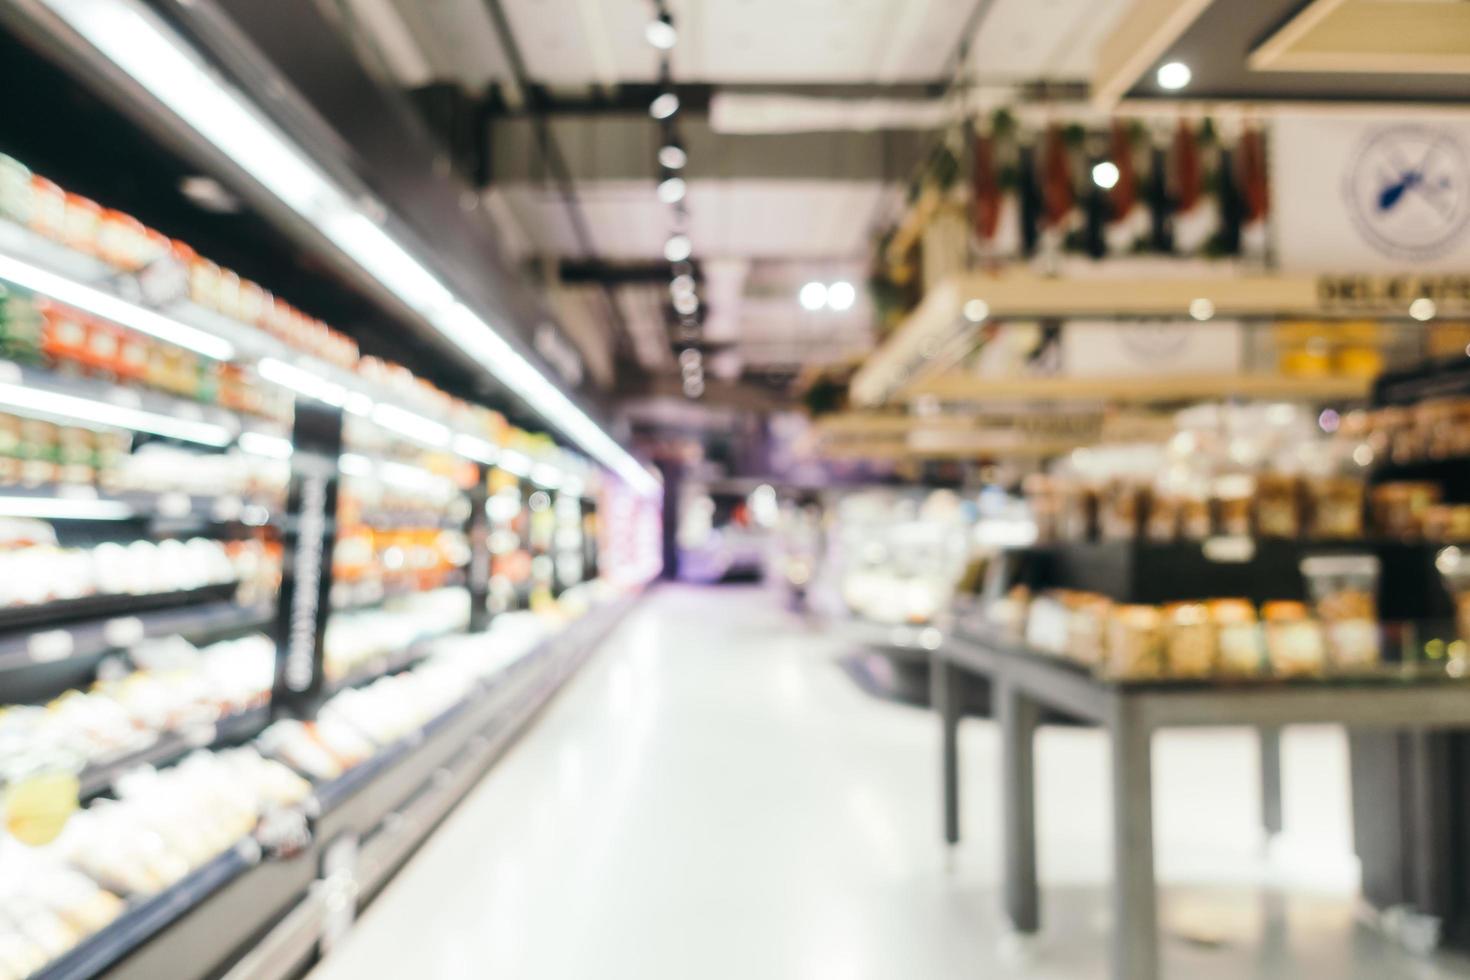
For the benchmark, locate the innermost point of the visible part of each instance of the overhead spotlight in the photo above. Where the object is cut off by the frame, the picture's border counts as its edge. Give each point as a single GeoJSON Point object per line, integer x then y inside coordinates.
{"type": "Point", "coordinates": [660, 32]}
{"type": "Point", "coordinates": [692, 368]}
{"type": "Point", "coordinates": [671, 190]}
{"type": "Point", "coordinates": [664, 106]}
{"type": "Point", "coordinates": [682, 283]}
{"type": "Point", "coordinates": [813, 295]}
{"type": "Point", "coordinates": [841, 295]}
{"type": "Point", "coordinates": [1174, 75]}
{"type": "Point", "coordinates": [1423, 309]}
{"type": "Point", "coordinates": [1201, 309]}
{"type": "Point", "coordinates": [671, 156]}
{"type": "Point", "coordinates": [976, 310]}
{"type": "Point", "coordinates": [690, 356]}
{"type": "Point", "coordinates": [1105, 174]}
{"type": "Point", "coordinates": [678, 248]}
{"type": "Point", "coordinates": [686, 304]}
{"type": "Point", "coordinates": [694, 387]}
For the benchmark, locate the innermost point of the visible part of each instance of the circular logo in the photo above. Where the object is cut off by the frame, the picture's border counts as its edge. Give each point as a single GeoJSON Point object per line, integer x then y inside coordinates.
{"type": "Point", "coordinates": [1408, 191]}
{"type": "Point", "coordinates": [1153, 342]}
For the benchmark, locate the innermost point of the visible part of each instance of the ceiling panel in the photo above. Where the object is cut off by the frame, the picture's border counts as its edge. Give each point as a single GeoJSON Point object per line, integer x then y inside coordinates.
{"type": "Point", "coordinates": [729, 218]}
{"type": "Point", "coordinates": [457, 38]}
{"type": "Point", "coordinates": [1055, 40]}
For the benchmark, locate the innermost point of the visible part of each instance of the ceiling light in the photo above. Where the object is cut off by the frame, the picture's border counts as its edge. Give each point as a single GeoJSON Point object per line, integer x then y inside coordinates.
{"type": "Point", "coordinates": [664, 106]}
{"type": "Point", "coordinates": [109, 307]}
{"type": "Point", "coordinates": [813, 295]}
{"type": "Point", "coordinates": [692, 369]}
{"type": "Point", "coordinates": [660, 32]}
{"type": "Point", "coordinates": [1105, 174]}
{"type": "Point", "coordinates": [65, 508]}
{"type": "Point", "coordinates": [694, 387]}
{"type": "Point", "coordinates": [1423, 309]}
{"type": "Point", "coordinates": [1201, 309]}
{"type": "Point", "coordinates": [163, 63]}
{"type": "Point", "coordinates": [260, 444]}
{"type": "Point", "coordinates": [841, 295]}
{"type": "Point", "coordinates": [301, 382]}
{"type": "Point", "coordinates": [678, 248]}
{"type": "Point", "coordinates": [546, 475]}
{"type": "Point", "coordinates": [681, 284]}
{"type": "Point", "coordinates": [689, 356]}
{"type": "Point", "coordinates": [686, 304]}
{"type": "Point", "coordinates": [671, 190]}
{"type": "Point", "coordinates": [1174, 75]}
{"type": "Point", "coordinates": [976, 310]}
{"type": "Point", "coordinates": [672, 157]}
{"type": "Point", "coordinates": [352, 464]}
{"type": "Point", "coordinates": [105, 415]}
{"type": "Point", "coordinates": [413, 426]}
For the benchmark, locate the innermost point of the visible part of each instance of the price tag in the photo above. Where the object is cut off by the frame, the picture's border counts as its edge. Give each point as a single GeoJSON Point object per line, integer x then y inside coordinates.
{"type": "Point", "coordinates": [228, 508]}
{"type": "Point", "coordinates": [50, 646]}
{"type": "Point", "coordinates": [123, 631]}
{"type": "Point", "coordinates": [1230, 550]}
{"type": "Point", "coordinates": [174, 504]}
{"type": "Point", "coordinates": [200, 736]}
{"type": "Point", "coordinates": [125, 398]}
{"type": "Point", "coordinates": [10, 373]}
{"type": "Point", "coordinates": [77, 491]}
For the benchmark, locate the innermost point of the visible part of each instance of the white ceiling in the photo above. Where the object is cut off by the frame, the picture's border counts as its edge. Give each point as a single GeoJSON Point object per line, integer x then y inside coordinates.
{"type": "Point", "coordinates": [575, 43]}
{"type": "Point", "coordinates": [760, 219]}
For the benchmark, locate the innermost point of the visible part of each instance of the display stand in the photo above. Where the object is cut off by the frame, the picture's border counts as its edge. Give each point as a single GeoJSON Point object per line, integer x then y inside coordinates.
{"type": "Point", "coordinates": [1026, 681]}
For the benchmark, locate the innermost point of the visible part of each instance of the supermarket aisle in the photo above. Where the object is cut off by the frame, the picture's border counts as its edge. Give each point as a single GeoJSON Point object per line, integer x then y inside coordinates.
{"type": "Point", "coordinates": [713, 798]}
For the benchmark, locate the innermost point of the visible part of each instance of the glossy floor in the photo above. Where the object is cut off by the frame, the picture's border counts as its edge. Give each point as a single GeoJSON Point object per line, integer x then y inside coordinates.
{"type": "Point", "coordinates": [712, 798]}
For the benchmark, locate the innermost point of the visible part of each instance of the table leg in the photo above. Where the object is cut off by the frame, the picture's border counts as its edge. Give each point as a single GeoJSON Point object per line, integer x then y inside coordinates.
{"type": "Point", "coordinates": [945, 694]}
{"type": "Point", "coordinates": [1018, 716]}
{"type": "Point", "coordinates": [1135, 909]}
{"type": "Point", "coordinates": [1271, 818]}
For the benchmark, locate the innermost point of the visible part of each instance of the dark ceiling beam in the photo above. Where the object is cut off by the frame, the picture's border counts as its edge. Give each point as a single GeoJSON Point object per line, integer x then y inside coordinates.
{"type": "Point", "coordinates": [743, 395]}
{"type": "Point", "coordinates": [581, 272]}
{"type": "Point", "coordinates": [632, 98]}
{"type": "Point", "coordinates": [608, 147]}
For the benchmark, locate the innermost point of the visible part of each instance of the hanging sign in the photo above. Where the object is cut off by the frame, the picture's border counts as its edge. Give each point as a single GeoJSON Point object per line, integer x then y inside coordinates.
{"type": "Point", "coordinates": [1372, 192]}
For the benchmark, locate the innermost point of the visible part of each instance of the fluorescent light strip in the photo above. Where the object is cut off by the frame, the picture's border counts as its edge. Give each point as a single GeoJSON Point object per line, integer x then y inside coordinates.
{"type": "Point", "coordinates": [141, 45]}
{"type": "Point", "coordinates": [513, 462]}
{"type": "Point", "coordinates": [413, 426]}
{"type": "Point", "coordinates": [476, 449]}
{"type": "Point", "coordinates": [302, 382]}
{"type": "Point", "coordinates": [109, 307]}
{"type": "Point", "coordinates": [71, 408]}
{"type": "Point", "coordinates": [354, 465]}
{"type": "Point", "coordinates": [260, 444]}
{"type": "Point", "coordinates": [63, 509]}
{"type": "Point", "coordinates": [546, 476]}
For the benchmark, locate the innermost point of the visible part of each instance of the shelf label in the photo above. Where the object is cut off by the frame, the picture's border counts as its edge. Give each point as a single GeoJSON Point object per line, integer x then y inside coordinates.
{"type": "Point", "coordinates": [1230, 550]}
{"type": "Point", "coordinates": [174, 504]}
{"type": "Point", "coordinates": [50, 646]}
{"type": "Point", "coordinates": [76, 491]}
{"type": "Point", "coordinates": [10, 373]}
{"type": "Point", "coordinates": [123, 631]}
{"type": "Point", "coordinates": [124, 398]}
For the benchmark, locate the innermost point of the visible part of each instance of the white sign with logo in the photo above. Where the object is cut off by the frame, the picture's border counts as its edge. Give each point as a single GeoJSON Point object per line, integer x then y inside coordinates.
{"type": "Point", "coordinates": [1359, 193]}
{"type": "Point", "coordinates": [1110, 349]}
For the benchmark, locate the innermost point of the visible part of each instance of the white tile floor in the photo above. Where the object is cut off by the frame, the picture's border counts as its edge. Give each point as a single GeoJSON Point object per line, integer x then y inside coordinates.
{"type": "Point", "coordinates": [712, 798]}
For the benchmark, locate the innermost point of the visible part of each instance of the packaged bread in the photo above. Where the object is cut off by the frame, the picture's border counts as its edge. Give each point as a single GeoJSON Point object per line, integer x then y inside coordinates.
{"type": "Point", "coordinates": [1294, 642]}
{"type": "Point", "coordinates": [1189, 640]}
{"type": "Point", "coordinates": [1335, 508]}
{"type": "Point", "coordinates": [1135, 642]}
{"type": "Point", "coordinates": [1278, 506]}
{"type": "Point", "coordinates": [1237, 637]}
{"type": "Point", "coordinates": [1087, 628]}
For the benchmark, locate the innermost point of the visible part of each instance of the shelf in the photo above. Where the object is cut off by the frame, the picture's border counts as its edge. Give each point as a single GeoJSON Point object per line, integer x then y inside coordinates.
{"type": "Point", "coordinates": [37, 663]}
{"type": "Point", "coordinates": [146, 917]}
{"type": "Point", "coordinates": [97, 779]}
{"type": "Point", "coordinates": [164, 507]}
{"type": "Point", "coordinates": [370, 595]}
{"type": "Point", "coordinates": [36, 392]}
{"type": "Point", "coordinates": [1143, 390]}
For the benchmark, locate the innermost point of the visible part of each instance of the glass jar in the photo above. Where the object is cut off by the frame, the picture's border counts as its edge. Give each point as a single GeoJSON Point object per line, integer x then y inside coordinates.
{"type": "Point", "coordinates": [1278, 504]}
{"type": "Point", "coordinates": [1237, 636]}
{"type": "Point", "coordinates": [1399, 508]}
{"type": "Point", "coordinates": [1189, 640]}
{"type": "Point", "coordinates": [1294, 643]}
{"type": "Point", "coordinates": [1344, 590]}
{"type": "Point", "coordinates": [1335, 508]}
{"type": "Point", "coordinates": [1135, 642]}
